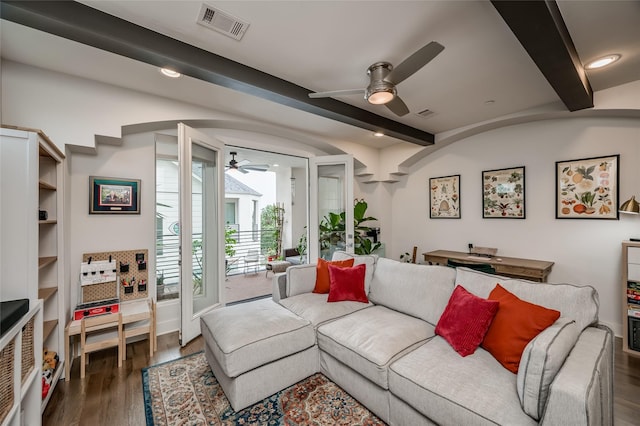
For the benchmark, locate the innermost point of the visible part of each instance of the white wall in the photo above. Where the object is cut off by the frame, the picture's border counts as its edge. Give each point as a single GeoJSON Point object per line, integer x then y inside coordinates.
{"type": "Point", "coordinates": [585, 252]}
{"type": "Point", "coordinates": [90, 233]}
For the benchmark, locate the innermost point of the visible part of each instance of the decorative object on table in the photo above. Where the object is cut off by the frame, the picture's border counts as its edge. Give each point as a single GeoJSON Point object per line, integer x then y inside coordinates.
{"type": "Point", "coordinates": [503, 193]}
{"type": "Point", "coordinates": [407, 257]}
{"type": "Point", "coordinates": [444, 197]}
{"type": "Point", "coordinates": [173, 390]}
{"type": "Point", "coordinates": [114, 195]}
{"type": "Point", "coordinates": [587, 188]}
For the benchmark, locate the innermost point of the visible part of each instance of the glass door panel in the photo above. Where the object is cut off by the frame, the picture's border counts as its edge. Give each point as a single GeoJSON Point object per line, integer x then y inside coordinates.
{"type": "Point", "coordinates": [201, 228]}
{"type": "Point", "coordinates": [331, 205]}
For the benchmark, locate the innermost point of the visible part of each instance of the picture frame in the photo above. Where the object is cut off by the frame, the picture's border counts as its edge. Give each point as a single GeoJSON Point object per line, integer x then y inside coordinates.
{"type": "Point", "coordinates": [503, 193]}
{"type": "Point", "coordinates": [587, 188]}
{"type": "Point", "coordinates": [114, 195]}
{"type": "Point", "coordinates": [444, 197]}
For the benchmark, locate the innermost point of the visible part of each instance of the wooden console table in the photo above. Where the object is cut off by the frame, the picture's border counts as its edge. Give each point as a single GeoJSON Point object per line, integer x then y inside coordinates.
{"type": "Point", "coordinates": [534, 270]}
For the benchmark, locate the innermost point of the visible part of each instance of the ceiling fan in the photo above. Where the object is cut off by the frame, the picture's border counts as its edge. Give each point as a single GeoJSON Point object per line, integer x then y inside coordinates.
{"type": "Point", "coordinates": [244, 166]}
{"type": "Point", "coordinates": [384, 78]}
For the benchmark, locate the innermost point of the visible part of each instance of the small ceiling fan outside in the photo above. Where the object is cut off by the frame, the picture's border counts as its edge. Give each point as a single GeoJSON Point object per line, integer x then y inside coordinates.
{"type": "Point", "coordinates": [384, 78]}
{"type": "Point", "coordinates": [245, 166]}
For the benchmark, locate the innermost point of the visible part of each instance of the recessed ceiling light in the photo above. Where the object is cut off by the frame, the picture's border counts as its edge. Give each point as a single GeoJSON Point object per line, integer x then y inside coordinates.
{"type": "Point", "coordinates": [602, 62]}
{"type": "Point", "coordinates": [170, 73]}
{"type": "Point", "coordinates": [276, 165]}
{"type": "Point", "coordinates": [378, 134]}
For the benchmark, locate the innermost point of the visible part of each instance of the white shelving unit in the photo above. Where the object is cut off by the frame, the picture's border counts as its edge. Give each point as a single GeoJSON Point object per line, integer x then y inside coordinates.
{"type": "Point", "coordinates": [26, 385]}
{"type": "Point", "coordinates": [32, 250]}
{"type": "Point", "coordinates": [631, 298]}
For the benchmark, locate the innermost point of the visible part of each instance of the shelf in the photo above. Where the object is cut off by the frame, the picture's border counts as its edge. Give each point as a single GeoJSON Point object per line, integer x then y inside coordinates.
{"type": "Point", "coordinates": [46, 293]}
{"type": "Point", "coordinates": [47, 328]}
{"type": "Point", "coordinates": [44, 185]}
{"type": "Point", "coordinates": [47, 260]}
{"type": "Point", "coordinates": [54, 382]}
{"type": "Point", "coordinates": [47, 222]}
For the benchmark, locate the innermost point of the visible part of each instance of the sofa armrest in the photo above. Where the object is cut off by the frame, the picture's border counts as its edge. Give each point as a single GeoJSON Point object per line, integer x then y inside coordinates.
{"type": "Point", "coordinates": [582, 391]}
{"type": "Point", "coordinates": [279, 286]}
{"type": "Point", "coordinates": [300, 279]}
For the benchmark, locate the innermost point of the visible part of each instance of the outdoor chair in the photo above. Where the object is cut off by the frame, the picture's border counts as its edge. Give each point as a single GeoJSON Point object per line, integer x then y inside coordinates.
{"type": "Point", "coordinates": [252, 259]}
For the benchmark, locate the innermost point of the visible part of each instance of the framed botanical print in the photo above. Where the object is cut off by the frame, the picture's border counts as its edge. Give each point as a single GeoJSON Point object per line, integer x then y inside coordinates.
{"type": "Point", "coordinates": [444, 197]}
{"type": "Point", "coordinates": [587, 188]}
{"type": "Point", "coordinates": [503, 193]}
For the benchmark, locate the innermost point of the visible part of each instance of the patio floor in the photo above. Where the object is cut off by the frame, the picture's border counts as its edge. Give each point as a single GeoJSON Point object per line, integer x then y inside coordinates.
{"type": "Point", "coordinates": [247, 286]}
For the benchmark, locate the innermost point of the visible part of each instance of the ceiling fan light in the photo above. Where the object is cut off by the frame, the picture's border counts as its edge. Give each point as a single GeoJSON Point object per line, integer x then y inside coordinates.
{"type": "Point", "coordinates": [381, 97]}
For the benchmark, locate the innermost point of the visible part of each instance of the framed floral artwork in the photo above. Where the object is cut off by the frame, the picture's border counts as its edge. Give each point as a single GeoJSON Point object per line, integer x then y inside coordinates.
{"type": "Point", "coordinates": [587, 188]}
{"type": "Point", "coordinates": [444, 197]}
{"type": "Point", "coordinates": [503, 193]}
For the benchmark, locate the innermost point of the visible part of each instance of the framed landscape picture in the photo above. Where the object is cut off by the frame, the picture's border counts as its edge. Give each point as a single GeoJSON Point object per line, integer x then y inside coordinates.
{"type": "Point", "coordinates": [114, 195]}
{"type": "Point", "coordinates": [587, 188]}
{"type": "Point", "coordinates": [444, 197]}
{"type": "Point", "coordinates": [503, 193]}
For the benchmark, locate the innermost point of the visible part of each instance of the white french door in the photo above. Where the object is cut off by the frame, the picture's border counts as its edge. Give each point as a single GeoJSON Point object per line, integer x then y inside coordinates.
{"type": "Point", "coordinates": [201, 164]}
{"type": "Point", "coordinates": [330, 195]}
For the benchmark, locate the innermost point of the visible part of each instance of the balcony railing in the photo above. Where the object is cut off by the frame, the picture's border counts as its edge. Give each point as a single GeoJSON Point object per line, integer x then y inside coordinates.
{"type": "Point", "coordinates": [247, 242]}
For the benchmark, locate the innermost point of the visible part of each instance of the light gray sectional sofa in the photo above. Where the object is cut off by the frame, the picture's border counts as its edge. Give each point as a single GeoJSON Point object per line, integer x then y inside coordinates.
{"type": "Point", "coordinates": [386, 353]}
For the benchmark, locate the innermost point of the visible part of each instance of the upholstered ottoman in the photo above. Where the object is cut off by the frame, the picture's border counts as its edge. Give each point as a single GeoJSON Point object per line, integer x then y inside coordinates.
{"type": "Point", "coordinates": [258, 348]}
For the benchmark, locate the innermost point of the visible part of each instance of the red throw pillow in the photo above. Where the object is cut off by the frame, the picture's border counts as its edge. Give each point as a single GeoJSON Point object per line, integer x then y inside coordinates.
{"type": "Point", "coordinates": [465, 320]}
{"type": "Point", "coordinates": [322, 273]}
{"type": "Point", "coordinates": [347, 283]}
{"type": "Point", "coordinates": [515, 325]}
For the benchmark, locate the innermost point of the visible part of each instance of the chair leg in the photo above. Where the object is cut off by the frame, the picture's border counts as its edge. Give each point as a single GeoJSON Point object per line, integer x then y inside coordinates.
{"type": "Point", "coordinates": [83, 359]}
{"type": "Point", "coordinates": [121, 353]}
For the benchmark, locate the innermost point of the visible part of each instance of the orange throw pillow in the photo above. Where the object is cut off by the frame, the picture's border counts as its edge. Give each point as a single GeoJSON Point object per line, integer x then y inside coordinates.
{"type": "Point", "coordinates": [516, 323]}
{"type": "Point", "coordinates": [322, 273]}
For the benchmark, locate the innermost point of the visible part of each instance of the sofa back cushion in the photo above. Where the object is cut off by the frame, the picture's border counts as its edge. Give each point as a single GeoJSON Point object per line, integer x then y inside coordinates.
{"type": "Point", "coordinates": [422, 291]}
{"type": "Point", "coordinates": [579, 303]}
{"type": "Point", "coordinates": [370, 260]}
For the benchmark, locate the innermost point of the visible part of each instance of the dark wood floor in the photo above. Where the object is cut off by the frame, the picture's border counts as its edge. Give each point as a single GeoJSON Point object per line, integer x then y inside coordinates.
{"type": "Point", "coordinates": [110, 396]}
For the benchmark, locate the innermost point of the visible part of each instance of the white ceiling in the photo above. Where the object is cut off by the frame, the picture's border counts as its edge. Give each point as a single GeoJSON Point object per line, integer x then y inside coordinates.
{"type": "Point", "coordinates": [328, 45]}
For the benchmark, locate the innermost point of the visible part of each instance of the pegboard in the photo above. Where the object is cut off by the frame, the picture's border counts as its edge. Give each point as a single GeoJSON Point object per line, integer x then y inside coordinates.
{"type": "Point", "coordinates": [109, 290]}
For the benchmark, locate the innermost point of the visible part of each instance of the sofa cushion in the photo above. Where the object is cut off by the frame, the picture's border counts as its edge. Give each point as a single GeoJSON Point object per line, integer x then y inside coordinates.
{"type": "Point", "coordinates": [579, 303]}
{"type": "Point", "coordinates": [300, 279]}
{"type": "Point", "coordinates": [541, 360]}
{"type": "Point", "coordinates": [371, 260]}
{"type": "Point", "coordinates": [245, 336]}
{"type": "Point", "coordinates": [314, 307]}
{"type": "Point", "coordinates": [421, 291]}
{"type": "Point", "coordinates": [347, 284]}
{"type": "Point", "coordinates": [452, 390]}
{"type": "Point", "coordinates": [323, 280]}
{"type": "Point", "coordinates": [368, 340]}
{"type": "Point", "coordinates": [516, 323]}
{"type": "Point", "coordinates": [466, 320]}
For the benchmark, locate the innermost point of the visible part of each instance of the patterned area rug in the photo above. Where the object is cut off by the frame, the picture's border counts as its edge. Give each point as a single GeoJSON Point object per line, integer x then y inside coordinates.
{"type": "Point", "coordinates": [185, 392]}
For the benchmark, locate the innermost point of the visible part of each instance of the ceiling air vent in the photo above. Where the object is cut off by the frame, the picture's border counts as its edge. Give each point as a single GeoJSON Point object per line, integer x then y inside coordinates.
{"type": "Point", "coordinates": [222, 22]}
{"type": "Point", "coordinates": [425, 113]}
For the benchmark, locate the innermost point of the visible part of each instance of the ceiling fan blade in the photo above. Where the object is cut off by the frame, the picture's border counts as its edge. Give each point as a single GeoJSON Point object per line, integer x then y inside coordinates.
{"type": "Point", "coordinates": [256, 167]}
{"type": "Point", "coordinates": [397, 106]}
{"type": "Point", "coordinates": [336, 93]}
{"type": "Point", "coordinates": [242, 170]}
{"type": "Point", "coordinates": [414, 62]}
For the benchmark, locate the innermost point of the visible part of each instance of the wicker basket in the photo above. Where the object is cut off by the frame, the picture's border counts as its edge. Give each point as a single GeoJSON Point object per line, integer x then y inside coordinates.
{"type": "Point", "coordinates": [6, 379]}
{"type": "Point", "coordinates": [28, 355]}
